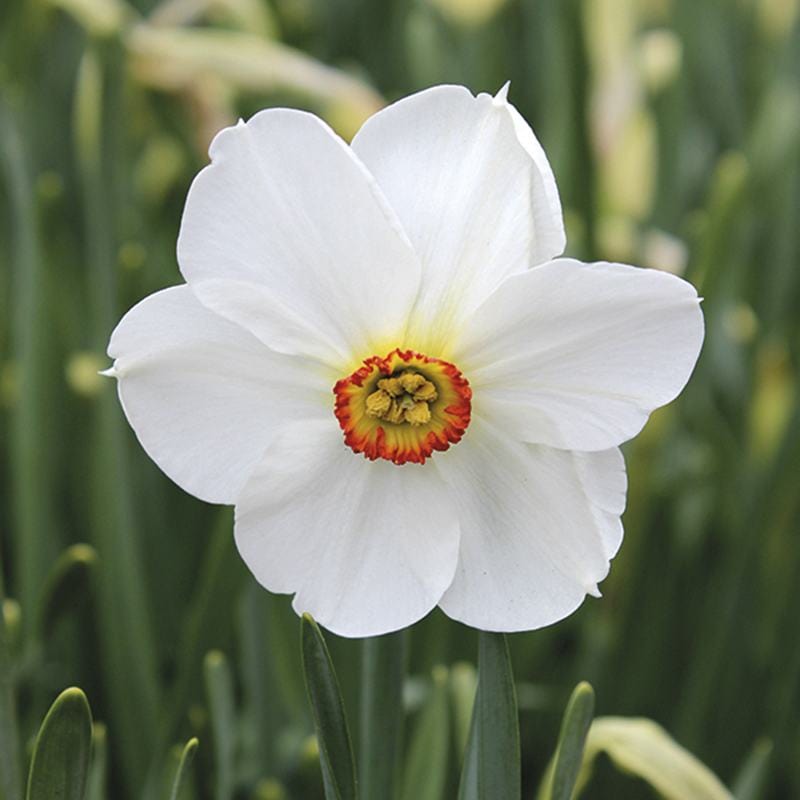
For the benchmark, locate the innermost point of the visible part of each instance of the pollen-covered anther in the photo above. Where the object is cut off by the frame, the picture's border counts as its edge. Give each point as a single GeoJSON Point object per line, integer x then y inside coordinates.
{"type": "Point", "coordinates": [379, 403]}
{"type": "Point", "coordinates": [419, 413]}
{"type": "Point", "coordinates": [403, 407]}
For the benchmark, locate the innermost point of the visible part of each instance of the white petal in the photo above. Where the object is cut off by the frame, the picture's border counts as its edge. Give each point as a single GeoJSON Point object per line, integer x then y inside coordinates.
{"type": "Point", "coordinates": [311, 257]}
{"type": "Point", "coordinates": [203, 395]}
{"type": "Point", "coordinates": [368, 547]}
{"type": "Point", "coordinates": [473, 190]}
{"type": "Point", "coordinates": [577, 355]}
{"type": "Point", "coordinates": [538, 527]}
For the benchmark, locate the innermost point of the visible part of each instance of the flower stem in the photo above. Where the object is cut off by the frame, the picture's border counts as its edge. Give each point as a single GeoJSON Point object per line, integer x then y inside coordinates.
{"type": "Point", "coordinates": [383, 667]}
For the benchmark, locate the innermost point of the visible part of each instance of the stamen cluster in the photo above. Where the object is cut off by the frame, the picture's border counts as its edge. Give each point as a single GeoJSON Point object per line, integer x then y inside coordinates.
{"type": "Point", "coordinates": [403, 398]}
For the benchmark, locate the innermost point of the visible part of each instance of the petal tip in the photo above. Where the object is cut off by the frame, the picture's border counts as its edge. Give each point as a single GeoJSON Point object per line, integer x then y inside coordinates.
{"type": "Point", "coordinates": [502, 95]}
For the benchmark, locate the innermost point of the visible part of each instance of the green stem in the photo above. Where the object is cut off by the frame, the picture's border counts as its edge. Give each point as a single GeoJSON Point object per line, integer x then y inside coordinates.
{"type": "Point", "coordinates": [10, 775]}
{"type": "Point", "coordinates": [383, 668]}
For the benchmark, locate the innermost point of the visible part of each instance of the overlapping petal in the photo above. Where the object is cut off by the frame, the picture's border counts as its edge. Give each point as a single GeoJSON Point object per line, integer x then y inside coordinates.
{"type": "Point", "coordinates": [474, 192]}
{"type": "Point", "coordinates": [203, 395]}
{"type": "Point", "coordinates": [368, 547]}
{"type": "Point", "coordinates": [288, 234]}
{"type": "Point", "coordinates": [538, 527]}
{"type": "Point", "coordinates": [577, 355]}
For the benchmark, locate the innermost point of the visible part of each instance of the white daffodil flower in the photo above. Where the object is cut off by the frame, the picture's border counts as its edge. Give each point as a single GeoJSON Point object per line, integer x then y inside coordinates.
{"type": "Point", "coordinates": [378, 358]}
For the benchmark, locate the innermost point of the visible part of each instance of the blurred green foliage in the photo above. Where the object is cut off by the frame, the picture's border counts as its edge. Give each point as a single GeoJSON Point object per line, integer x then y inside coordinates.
{"type": "Point", "coordinates": [673, 127]}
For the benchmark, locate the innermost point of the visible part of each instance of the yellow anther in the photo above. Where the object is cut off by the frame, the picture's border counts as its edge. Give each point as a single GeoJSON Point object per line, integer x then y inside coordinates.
{"type": "Point", "coordinates": [411, 381]}
{"type": "Point", "coordinates": [378, 403]}
{"type": "Point", "coordinates": [391, 386]}
{"type": "Point", "coordinates": [396, 413]}
{"type": "Point", "coordinates": [419, 413]}
{"type": "Point", "coordinates": [426, 391]}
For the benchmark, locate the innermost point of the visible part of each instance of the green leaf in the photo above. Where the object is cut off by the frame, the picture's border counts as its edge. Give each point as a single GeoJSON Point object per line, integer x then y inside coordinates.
{"type": "Point", "coordinates": [382, 671]}
{"type": "Point", "coordinates": [751, 781]}
{"type": "Point", "coordinates": [219, 688]}
{"type": "Point", "coordinates": [335, 749]}
{"type": "Point", "coordinates": [60, 763]}
{"type": "Point", "coordinates": [563, 774]}
{"type": "Point", "coordinates": [492, 760]}
{"type": "Point", "coordinates": [68, 578]}
{"type": "Point", "coordinates": [273, 693]}
{"type": "Point", "coordinates": [31, 434]}
{"type": "Point", "coordinates": [129, 660]}
{"type": "Point", "coordinates": [470, 786]}
{"type": "Point", "coordinates": [187, 756]}
{"type": "Point", "coordinates": [10, 775]}
{"type": "Point", "coordinates": [463, 684]}
{"type": "Point", "coordinates": [643, 748]}
{"type": "Point", "coordinates": [98, 771]}
{"type": "Point", "coordinates": [425, 770]}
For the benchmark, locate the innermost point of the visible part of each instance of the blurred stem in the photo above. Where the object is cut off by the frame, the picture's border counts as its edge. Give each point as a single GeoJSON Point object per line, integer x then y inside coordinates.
{"type": "Point", "coordinates": [383, 667]}
{"type": "Point", "coordinates": [98, 772]}
{"type": "Point", "coordinates": [215, 579]}
{"type": "Point", "coordinates": [273, 692]}
{"type": "Point", "coordinates": [218, 577]}
{"type": "Point", "coordinates": [30, 448]}
{"type": "Point", "coordinates": [127, 639]}
{"type": "Point", "coordinates": [219, 691]}
{"type": "Point", "coordinates": [585, 172]}
{"type": "Point", "coordinates": [9, 735]}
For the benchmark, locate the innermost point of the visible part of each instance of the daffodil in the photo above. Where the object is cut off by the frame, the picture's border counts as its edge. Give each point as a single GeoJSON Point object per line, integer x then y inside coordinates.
{"type": "Point", "coordinates": [380, 360]}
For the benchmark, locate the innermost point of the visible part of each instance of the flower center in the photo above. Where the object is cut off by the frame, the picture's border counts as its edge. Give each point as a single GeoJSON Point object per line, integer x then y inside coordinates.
{"type": "Point", "coordinates": [403, 407]}
{"type": "Point", "coordinates": [404, 398]}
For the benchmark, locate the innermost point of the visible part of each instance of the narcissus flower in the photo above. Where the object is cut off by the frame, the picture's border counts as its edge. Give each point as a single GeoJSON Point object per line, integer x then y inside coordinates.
{"type": "Point", "coordinates": [378, 358]}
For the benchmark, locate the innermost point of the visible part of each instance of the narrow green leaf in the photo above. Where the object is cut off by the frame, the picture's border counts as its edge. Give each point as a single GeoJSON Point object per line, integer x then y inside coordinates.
{"type": "Point", "coordinates": [492, 761]}
{"type": "Point", "coordinates": [335, 749]}
{"type": "Point", "coordinates": [571, 742]}
{"type": "Point", "coordinates": [469, 787]}
{"type": "Point", "coordinates": [60, 763]}
{"type": "Point", "coordinates": [98, 771]}
{"type": "Point", "coordinates": [187, 756]}
{"type": "Point", "coordinates": [463, 684]}
{"type": "Point", "coordinates": [274, 702]}
{"type": "Point", "coordinates": [205, 619]}
{"type": "Point", "coordinates": [425, 770]}
{"type": "Point", "coordinates": [68, 578]}
{"type": "Point", "coordinates": [382, 671]}
{"type": "Point", "coordinates": [10, 778]}
{"type": "Point", "coordinates": [31, 443]}
{"type": "Point", "coordinates": [129, 660]}
{"type": "Point", "coordinates": [219, 688]}
{"type": "Point", "coordinates": [751, 782]}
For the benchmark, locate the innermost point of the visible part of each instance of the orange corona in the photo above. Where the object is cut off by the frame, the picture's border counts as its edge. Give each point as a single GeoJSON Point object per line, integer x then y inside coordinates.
{"type": "Point", "coordinates": [403, 407]}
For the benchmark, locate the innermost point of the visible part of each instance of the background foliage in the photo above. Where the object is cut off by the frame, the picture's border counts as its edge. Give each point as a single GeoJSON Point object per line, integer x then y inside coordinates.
{"type": "Point", "coordinates": [673, 127]}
